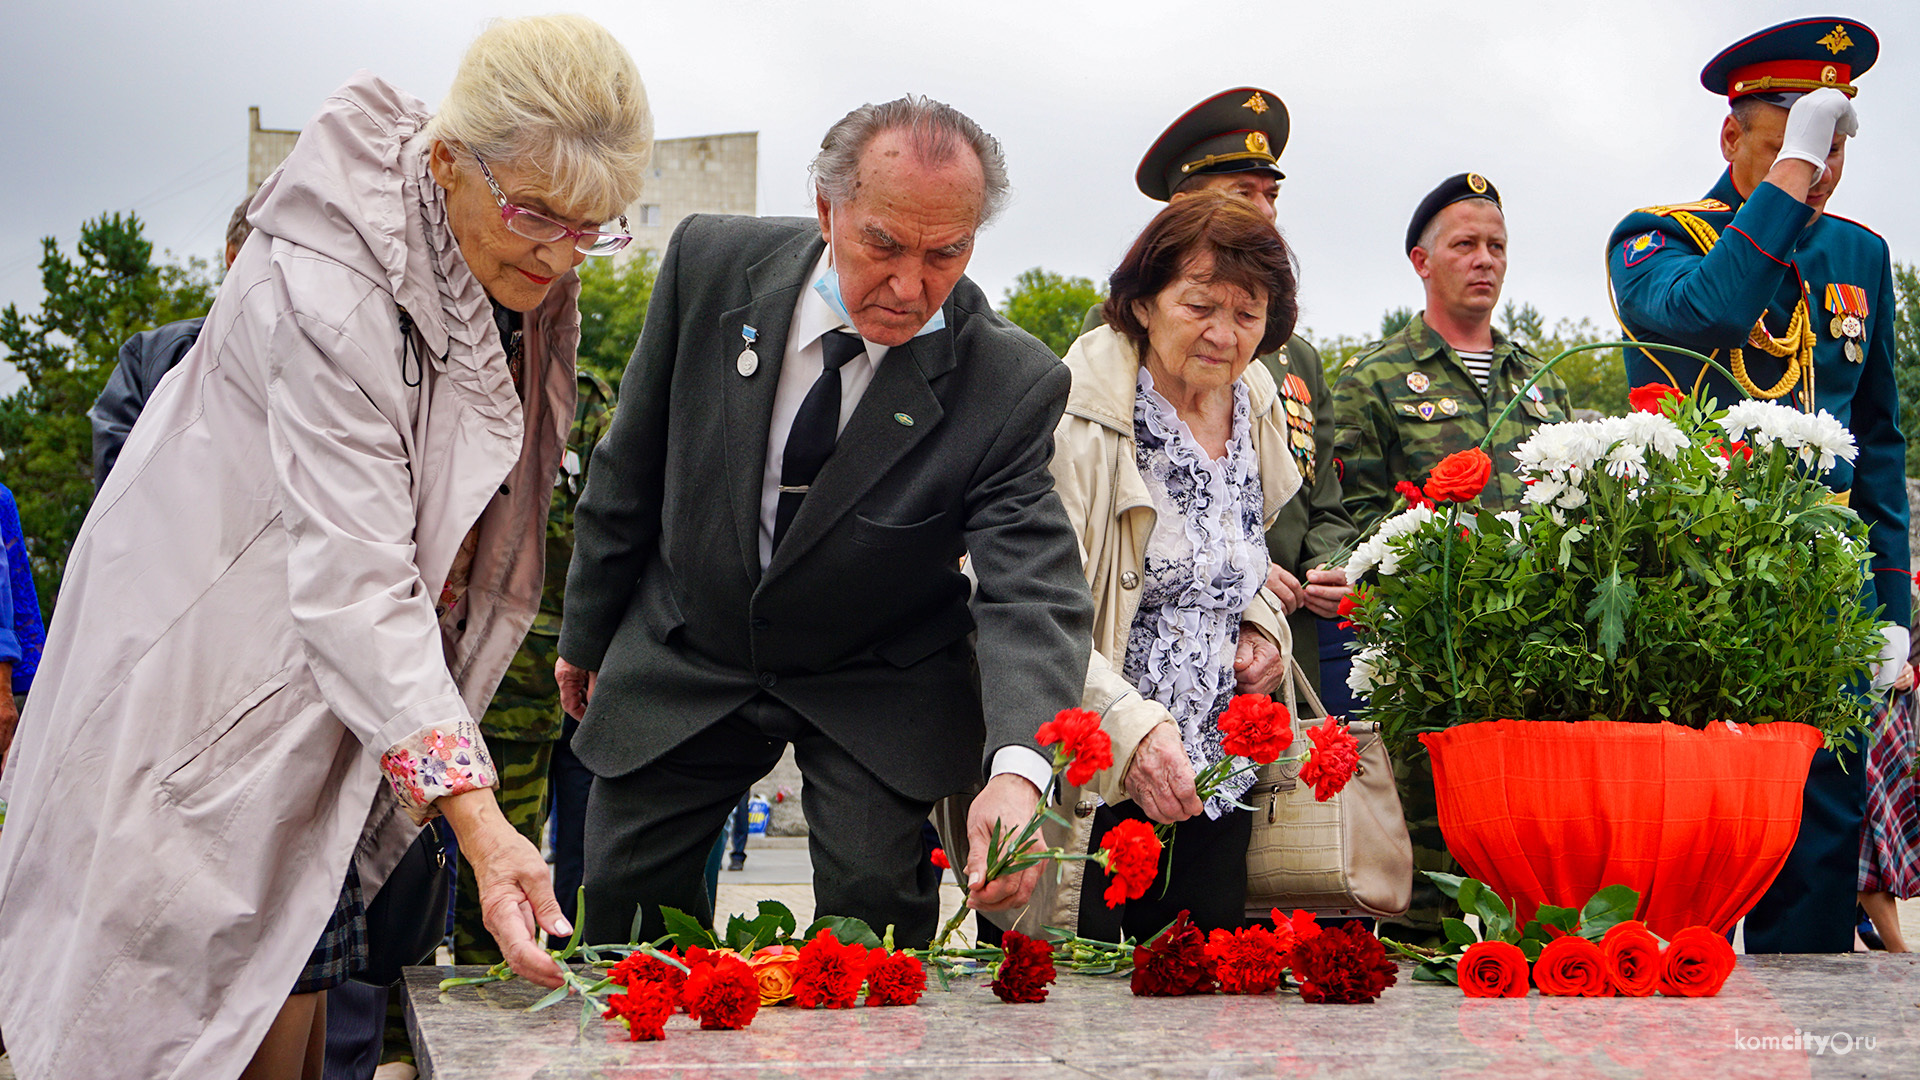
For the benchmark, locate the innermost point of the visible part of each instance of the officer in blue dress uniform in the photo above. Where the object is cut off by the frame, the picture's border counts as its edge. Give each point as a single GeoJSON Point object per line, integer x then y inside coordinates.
{"type": "Point", "coordinates": [1799, 304]}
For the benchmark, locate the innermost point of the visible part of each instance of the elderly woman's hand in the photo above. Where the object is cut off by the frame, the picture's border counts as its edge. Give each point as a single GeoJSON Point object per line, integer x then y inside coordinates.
{"type": "Point", "coordinates": [1257, 664]}
{"type": "Point", "coordinates": [1160, 778]}
{"type": "Point", "coordinates": [516, 888]}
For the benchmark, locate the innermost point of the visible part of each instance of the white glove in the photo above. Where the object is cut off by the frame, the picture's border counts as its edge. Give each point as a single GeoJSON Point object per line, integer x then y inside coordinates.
{"type": "Point", "coordinates": [1812, 123]}
{"type": "Point", "coordinates": [1893, 657]}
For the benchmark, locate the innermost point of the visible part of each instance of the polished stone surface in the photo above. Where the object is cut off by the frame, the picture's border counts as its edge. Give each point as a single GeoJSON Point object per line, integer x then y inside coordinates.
{"type": "Point", "coordinates": [1094, 1028]}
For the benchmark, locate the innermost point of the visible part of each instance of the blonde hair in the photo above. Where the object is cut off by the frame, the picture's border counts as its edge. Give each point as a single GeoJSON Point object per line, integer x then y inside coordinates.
{"type": "Point", "coordinates": [556, 98]}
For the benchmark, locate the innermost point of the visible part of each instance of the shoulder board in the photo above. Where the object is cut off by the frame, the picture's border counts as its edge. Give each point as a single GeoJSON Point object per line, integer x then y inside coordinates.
{"type": "Point", "coordinates": [1857, 225]}
{"type": "Point", "coordinates": [1366, 351]}
{"type": "Point", "coordinates": [1709, 206]}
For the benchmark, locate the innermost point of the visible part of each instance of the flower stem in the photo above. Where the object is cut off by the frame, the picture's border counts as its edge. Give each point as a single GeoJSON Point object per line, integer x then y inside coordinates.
{"type": "Point", "coordinates": [1446, 616]}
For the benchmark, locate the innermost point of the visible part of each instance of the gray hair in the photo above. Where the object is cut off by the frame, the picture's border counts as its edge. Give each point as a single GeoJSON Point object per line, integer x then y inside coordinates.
{"type": "Point", "coordinates": [935, 131]}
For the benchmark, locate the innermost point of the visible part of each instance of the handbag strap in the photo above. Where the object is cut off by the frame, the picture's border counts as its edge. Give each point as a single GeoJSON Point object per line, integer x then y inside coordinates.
{"type": "Point", "coordinates": [1297, 679]}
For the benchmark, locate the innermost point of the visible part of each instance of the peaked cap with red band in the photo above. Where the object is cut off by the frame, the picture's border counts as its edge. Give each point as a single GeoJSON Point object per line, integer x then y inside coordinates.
{"type": "Point", "coordinates": [1794, 58]}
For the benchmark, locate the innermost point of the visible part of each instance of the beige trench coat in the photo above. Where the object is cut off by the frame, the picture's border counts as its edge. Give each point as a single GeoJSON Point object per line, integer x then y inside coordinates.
{"type": "Point", "coordinates": [247, 623]}
{"type": "Point", "coordinates": [1112, 510]}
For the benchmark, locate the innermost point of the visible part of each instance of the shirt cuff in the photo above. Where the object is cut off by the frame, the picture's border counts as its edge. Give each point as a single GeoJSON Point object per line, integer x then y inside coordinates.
{"type": "Point", "coordinates": [1024, 762]}
{"type": "Point", "coordinates": [450, 759]}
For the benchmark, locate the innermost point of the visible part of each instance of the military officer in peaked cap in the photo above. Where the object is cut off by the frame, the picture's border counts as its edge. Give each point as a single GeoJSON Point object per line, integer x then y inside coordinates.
{"type": "Point", "coordinates": [1799, 305]}
{"type": "Point", "coordinates": [1231, 142]}
{"type": "Point", "coordinates": [1435, 388]}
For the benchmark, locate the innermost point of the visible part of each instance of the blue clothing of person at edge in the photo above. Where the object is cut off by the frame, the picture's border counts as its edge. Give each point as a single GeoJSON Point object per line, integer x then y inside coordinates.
{"type": "Point", "coordinates": [21, 632]}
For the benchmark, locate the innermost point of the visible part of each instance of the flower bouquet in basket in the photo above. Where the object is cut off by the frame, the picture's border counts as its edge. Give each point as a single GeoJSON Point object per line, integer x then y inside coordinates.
{"type": "Point", "coordinates": [1676, 619]}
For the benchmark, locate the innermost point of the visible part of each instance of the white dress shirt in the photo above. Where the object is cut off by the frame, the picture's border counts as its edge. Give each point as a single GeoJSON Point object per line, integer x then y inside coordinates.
{"type": "Point", "coordinates": [800, 367]}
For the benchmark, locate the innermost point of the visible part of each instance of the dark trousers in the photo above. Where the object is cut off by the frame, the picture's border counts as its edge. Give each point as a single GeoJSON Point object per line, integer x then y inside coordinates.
{"type": "Point", "coordinates": [649, 832]}
{"type": "Point", "coordinates": [741, 811]}
{"type": "Point", "coordinates": [1810, 906]}
{"type": "Point", "coordinates": [1203, 869]}
{"type": "Point", "coordinates": [569, 781]}
{"type": "Point", "coordinates": [1335, 662]}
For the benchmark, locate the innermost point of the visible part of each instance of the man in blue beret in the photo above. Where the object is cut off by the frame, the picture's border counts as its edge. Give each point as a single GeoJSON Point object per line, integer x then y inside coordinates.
{"type": "Point", "coordinates": [1799, 305]}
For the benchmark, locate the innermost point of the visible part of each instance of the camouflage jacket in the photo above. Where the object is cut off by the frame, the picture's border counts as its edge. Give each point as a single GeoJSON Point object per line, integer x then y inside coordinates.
{"type": "Point", "coordinates": [527, 705]}
{"type": "Point", "coordinates": [1409, 401]}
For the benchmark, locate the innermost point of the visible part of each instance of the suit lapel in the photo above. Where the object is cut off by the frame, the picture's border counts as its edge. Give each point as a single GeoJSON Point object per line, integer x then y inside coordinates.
{"type": "Point", "coordinates": [875, 439]}
{"type": "Point", "coordinates": [774, 284]}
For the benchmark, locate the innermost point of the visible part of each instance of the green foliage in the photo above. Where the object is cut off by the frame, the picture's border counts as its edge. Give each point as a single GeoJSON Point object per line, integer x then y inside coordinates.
{"type": "Point", "coordinates": [1683, 594]}
{"type": "Point", "coordinates": [1050, 306]}
{"type": "Point", "coordinates": [613, 308]}
{"type": "Point", "coordinates": [1602, 912]}
{"type": "Point", "coordinates": [1336, 350]}
{"type": "Point", "coordinates": [1394, 320]}
{"type": "Point", "coordinates": [1597, 380]}
{"type": "Point", "coordinates": [107, 292]}
{"type": "Point", "coordinates": [1906, 359]}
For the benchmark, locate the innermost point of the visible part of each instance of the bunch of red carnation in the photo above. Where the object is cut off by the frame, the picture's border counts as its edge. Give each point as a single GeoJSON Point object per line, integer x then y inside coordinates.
{"type": "Point", "coordinates": [894, 978]}
{"type": "Point", "coordinates": [1026, 967]}
{"type": "Point", "coordinates": [1173, 962]}
{"type": "Point", "coordinates": [1249, 960]}
{"type": "Point", "coordinates": [720, 990]}
{"type": "Point", "coordinates": [1130, 854]}
{"type": "Point", "coordinates": [829, 973]}
{"type": "Point", "coordinates": [1341, 965]}
{"type": "Point", "coordinates": [1332, 761]}
{"type": "Point", "coordinates": [638, 967]}
{"type": "Point", "coordinates": [1256, 727]}
{"type": "Point", "coordinates": [1078, 744]}
{"type": "Point", "coordinates": [644, 1008]}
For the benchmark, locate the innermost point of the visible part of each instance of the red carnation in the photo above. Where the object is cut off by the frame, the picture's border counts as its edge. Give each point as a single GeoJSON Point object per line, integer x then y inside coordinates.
{"type": "Point", "coordinates": [644, 1008]}
{"type": "Point", "coordinates": [1083, 748]}
{"type": "Point", "coordinates": [939, 859]}
{"type": "Point", "coordinates": [1348, 605]}
{"type": "Point", "coordinates": [1411, 492]}
{"type": "Point", "coordinates": [1173, 963]}
{"type": "Point", "coordinates": [828, 974]}
{"type": "Point", "coordinates": [1335, 756]}
{"type": "Point", "coordinates": [1653, 397]}
{"type": "Point", "coordinates": [1302, 926]}
{"type": "Point", "coordinates": [1130, 854]}
{"type": "Point", "coordinates": [1025, 970]}
{"type": "Point", "coordinates": [638, 967]}
{"type": "Point", "coordinates": [721, 992]}
{"type": "Point", "coordinates": [894, 978]}
{"type": "Point", "coordinates": [1256, 727]}
{"type": "Point", "coordinates": [1342, 965]}
{"type": "Point", "coordinates": [1247, 961]}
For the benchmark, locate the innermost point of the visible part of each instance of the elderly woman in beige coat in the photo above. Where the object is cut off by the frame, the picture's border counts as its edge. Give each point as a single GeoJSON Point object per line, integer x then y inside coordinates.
{"type": "Point", "coordinates": [308, 571]}
{"type": "Point", "coordinates": [1172, 460]}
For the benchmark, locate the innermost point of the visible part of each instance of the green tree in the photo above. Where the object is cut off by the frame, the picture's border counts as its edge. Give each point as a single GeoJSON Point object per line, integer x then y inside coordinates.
{"type": "Point", "coordinates": [110, 290]}
{"type": "Point", "coordinates": [1049, 306]}
{"type": "Point", "coordinates": [613, 307]}
{"type": "Point", "coordinates": [1906, 357]}
{"type": "Point", "coordinates": [1597, 379]}
{"type": "Point", "coordinates": [1394, 321]}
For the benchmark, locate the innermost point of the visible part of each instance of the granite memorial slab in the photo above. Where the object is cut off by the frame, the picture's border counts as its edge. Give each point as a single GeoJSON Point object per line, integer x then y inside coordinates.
{"type": "Point", "coordinates": [1778, 1016]}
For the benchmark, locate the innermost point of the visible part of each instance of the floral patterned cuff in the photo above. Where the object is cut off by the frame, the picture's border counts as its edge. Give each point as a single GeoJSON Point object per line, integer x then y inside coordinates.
{"type": "Point", "coordinates": [436, 762]}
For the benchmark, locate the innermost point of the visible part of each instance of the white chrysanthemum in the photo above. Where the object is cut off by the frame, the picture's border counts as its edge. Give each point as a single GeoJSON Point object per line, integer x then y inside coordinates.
{"type": "Point", "coordinates": [1746, 416]}
{"type": "Point", "coordinates": [1829, 438]}
{"type": "Point", "coordinates": [1817, 439]}
{"type": "Point", "coordinates": [1365, 557]}
{"type": "Point", "coordinates": [1364, 671]}
{"type": "Point", "coordinates": [1627, 460]}
{"type": "Point", "coordinates": [1544, 490]}
{"type": "Point", "coordinates": [1568, 448]}
{"type": "Point", "coordinates": [1573, 499]}
{"type": "Point", "coordinates": [1654, 432]}
{"type": "Point", "coordinates": [1379, 550]}
{"type": "Point", "coordinates": [1512, 519]}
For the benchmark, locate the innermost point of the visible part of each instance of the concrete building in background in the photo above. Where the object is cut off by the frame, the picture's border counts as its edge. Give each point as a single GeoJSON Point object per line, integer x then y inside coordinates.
{"type": "Point", "coordinates": [704, 174]}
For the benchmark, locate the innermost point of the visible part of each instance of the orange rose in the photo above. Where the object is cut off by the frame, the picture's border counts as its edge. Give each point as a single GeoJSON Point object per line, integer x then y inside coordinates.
{"type": "Point", "coordinates": [1460, 476]}
{"type": "Point", "coordinates": [772, 968]}
{"type": "Point", "coordinates": [1493, 969]}
{"type": "Point", "coordinates": [1633, 958]}
{"type": "Point", "coordinates": [1572, 966]}
{"type": "Point", "coordinates": [1696, 963]}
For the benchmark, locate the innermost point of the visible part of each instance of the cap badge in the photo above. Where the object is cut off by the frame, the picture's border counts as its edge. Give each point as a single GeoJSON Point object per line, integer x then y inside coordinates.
{"type": "Point", "coordinates": [1257, 142]}
{"type": "Point", "coordinates": [1477, 183]}
{"type": "Point", "coordinates": [1418, 382]}
{"type": "Point", "coordinates": [1259, 104]}
{"type": "Point", "coordinates": [1836, 41]}
{"type": "Point", "coordinates": [1829, 75]}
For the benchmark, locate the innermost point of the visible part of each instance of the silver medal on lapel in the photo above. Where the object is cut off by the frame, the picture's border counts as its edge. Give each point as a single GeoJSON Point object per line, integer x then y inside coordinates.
{"type": "Point", "coordinates": [749, 361]}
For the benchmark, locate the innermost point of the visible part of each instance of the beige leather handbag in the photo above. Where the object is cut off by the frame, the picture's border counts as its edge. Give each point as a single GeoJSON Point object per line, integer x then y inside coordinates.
{"type": "Point", "coordinates": [1347, 856]}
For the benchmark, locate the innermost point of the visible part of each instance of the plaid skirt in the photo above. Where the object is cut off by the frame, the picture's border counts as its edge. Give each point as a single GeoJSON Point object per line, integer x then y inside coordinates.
{"type": "Point", "coordinates": [1890, 838]}
{"type": "Point", "coordinates": [342, 949]}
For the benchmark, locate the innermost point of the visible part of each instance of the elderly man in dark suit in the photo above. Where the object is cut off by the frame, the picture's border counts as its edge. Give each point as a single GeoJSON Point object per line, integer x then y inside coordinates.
{"type": "Point", "coordinates": [820, 421]}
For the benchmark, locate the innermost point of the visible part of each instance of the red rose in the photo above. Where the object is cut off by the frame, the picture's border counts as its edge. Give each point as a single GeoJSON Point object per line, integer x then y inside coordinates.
{"type": "Point", "coordinates": [939, 859]}
{"type": "Point", "coordinates": [1411, 492]}
{"type": "Point", "coordinates": [894, 978]}
{"type": "Point", "coordinates": [1493, 969]}
{"type": "Point", "coordinates": [1082, 747]}
{"type": "Point", "coordinates": [1653, 398]}
{"type": "Point", "coordinates": [1572, 966]}
{"type": "Point", "coordinates": [1633, 958]}
{"type": "Point", "coordinates": [1335, 755]}
{"type": "Point", "coordinates": [1130, 854]}
{"type": "Point", "coordinates": [644, 1008]}
{"type": "Point", "coordinates": [828, 974]}
{"type": "Point", "coordinates": [1696, 963]}
{"type": "Point", "coordinates": [1246, 961]}
{"type": "Point", "coordinates": [1300, 927]}
{"type": "Point", "coordinates": [1342, 965]}
{"type": "Point", "coordinates": [1173, 963]}
{"type": "Point", "coordinates": [1025, 970]}
{"type": "Point", "coordinates": [637, 967]}
{"type": "Point", "coordinates": [722, 993]}
{"type": "Point", "coordinates": [1460, 476]}
{"type": "Point", "coordinates": [1256, 727]}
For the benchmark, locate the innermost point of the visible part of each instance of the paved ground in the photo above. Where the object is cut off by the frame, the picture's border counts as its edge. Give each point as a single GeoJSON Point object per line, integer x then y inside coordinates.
{"type": "Point", "coordinates": [778, 869]}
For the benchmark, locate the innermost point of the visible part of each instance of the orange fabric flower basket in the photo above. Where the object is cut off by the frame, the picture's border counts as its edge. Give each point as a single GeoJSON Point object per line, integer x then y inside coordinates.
{"type": "Point", "coordinates": [1698, 822]}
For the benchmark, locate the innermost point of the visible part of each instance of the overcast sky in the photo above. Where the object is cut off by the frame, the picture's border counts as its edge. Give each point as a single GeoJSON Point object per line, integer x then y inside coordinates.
{"type": "Point", "coordinates": [1578, 112]}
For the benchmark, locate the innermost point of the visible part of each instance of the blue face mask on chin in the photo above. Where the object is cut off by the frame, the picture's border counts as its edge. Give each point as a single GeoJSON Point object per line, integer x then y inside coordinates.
{"type": "Point", "coordinates": [829, 289]}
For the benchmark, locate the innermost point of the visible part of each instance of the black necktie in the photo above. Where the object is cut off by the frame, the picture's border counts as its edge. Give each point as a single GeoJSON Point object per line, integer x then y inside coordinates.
{"type": "Point", "coordinates": [816, 427]}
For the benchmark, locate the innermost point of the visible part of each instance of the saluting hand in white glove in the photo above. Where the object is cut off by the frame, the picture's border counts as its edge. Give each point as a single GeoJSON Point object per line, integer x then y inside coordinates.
{"type": "Point", "coordinates": [1812, 124]}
